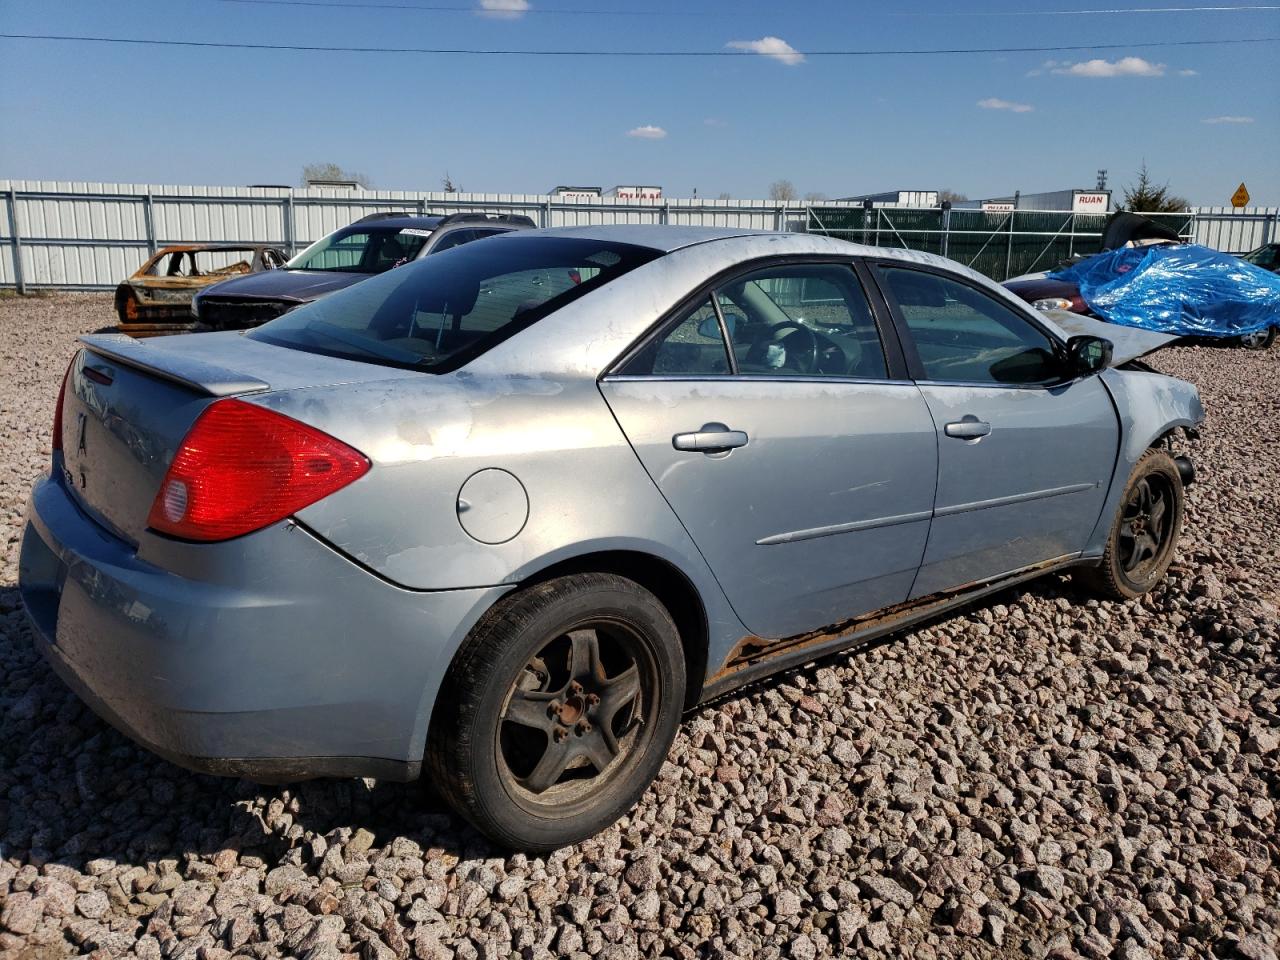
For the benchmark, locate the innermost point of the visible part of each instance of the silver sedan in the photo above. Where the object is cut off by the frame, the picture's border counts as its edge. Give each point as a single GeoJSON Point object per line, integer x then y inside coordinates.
{"type": "Point", "coordinates": [504, 513]}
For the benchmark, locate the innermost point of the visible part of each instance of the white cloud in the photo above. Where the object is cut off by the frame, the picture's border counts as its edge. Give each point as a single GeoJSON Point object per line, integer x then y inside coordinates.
{"type": "Point", "coordinates": [1188, 73]}
{"type": "Point", "coordinates": [715, 122]}
{"type": "Point", "coordinates": [647, 132]}
{"type": "Point", "coordinates": [503, 9]}
{"type": "Point", "coordinates": [995, 103]}
{"type": "Point", "coordinates": [1227, 120]}
{"type": "Point", "coordinates": [1124, 67]}
{"type": "Point", "coordinates": [770, 47]}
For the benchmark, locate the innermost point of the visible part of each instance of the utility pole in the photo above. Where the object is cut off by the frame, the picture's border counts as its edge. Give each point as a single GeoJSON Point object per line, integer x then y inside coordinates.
{"type": "Point", "coordinates": [1102, 180]}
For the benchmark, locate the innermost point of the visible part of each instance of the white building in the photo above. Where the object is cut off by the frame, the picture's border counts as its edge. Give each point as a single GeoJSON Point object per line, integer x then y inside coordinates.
{"type": "Point", "coordinates": [634, 193]}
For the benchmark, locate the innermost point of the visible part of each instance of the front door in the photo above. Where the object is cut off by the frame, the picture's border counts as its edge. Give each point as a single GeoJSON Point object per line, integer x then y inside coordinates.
{"type": "Point", "coordinates": [803, 472]}
{"type": "Point", "coordinates": [1025, 454]}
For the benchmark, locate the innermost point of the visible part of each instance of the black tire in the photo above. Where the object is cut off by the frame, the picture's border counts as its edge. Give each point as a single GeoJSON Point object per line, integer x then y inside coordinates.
{"type": "Point", "coordinates": [1132, 565]}
{"type": "Point", "coordinates": [493, 756]}
{"type": "Point", "coordinates": [1256, 342]}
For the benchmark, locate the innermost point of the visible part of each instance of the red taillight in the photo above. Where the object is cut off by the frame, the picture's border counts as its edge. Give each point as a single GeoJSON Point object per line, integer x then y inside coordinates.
{"type": "Point", "coordinates": [242, 467]}
{"type": "Point", "coordinates": [57, 408]}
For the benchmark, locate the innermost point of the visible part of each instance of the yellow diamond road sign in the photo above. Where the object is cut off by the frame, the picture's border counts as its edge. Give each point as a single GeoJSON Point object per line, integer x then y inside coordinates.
{"type": "Point", "coordinates": [1241, 197]}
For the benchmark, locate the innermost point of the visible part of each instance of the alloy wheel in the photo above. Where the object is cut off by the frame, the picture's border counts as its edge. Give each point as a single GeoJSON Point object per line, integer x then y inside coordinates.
{"type": "Point", "coordinates": [1145, 525]}
{"type": "Point", "coordinates": [575, 714]}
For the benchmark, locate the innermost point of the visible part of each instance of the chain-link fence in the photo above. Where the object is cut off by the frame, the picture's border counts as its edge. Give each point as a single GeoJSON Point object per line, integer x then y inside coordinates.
{"type": "Point", "coordinates": [999, 244]}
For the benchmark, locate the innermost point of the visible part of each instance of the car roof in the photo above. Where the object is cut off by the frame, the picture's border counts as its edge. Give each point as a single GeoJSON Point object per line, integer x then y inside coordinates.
{"type": "Point", "coordinates": [221, 245]}
{"type": "Point", "coordinates": [660, 237]}
{"type": "Point", "coordinates": [737, 242]}
{"type": "Point", "coordinates": [397, 220]}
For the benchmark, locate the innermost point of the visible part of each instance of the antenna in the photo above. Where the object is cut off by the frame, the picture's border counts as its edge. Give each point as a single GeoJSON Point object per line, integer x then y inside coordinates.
{"type": "Point", "coordinates": [1102, 180]}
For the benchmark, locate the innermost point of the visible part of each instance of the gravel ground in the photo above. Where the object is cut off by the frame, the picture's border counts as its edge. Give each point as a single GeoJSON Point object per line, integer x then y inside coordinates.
{"type": "Point", "coordinates": [1041, 775]}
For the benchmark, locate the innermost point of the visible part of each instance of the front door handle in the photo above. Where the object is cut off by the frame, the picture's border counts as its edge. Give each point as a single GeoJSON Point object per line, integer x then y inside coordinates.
{"type": "Point", "coordinates": [712, 438]}
{"type": "Point", "coordinates": [968, 427]}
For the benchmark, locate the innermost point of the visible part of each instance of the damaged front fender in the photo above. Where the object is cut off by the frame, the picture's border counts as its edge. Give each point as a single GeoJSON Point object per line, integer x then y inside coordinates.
{"type": "Point", "coordinates": [1151, 406]}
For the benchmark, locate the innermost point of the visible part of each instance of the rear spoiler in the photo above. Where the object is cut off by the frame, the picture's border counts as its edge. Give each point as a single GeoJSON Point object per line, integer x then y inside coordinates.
{"type": "Point", "coordinates": [189, 372]}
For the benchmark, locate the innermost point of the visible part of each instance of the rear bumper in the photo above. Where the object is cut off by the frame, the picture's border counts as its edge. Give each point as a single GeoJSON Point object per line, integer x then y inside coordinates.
{"type": "Point", "coordinates": [271, 657]}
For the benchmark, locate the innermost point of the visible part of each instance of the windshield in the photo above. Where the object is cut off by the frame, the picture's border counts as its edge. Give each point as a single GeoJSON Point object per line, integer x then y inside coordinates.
{"type": "Point", "coordinates": [1268, 256]}
{"type": "Point", "coordinates": [362, 250]}
{"type": "Point", "coordinates": [449, 308]}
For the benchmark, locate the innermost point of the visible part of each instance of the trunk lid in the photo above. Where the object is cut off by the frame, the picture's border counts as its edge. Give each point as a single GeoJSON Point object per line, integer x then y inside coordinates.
{"type": "Point", "coordinates": [128, 404]}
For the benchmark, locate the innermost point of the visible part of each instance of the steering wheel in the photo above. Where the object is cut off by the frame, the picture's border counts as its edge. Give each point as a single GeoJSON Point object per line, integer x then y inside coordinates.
{"type": "Point", "coordinates": [811, 351]}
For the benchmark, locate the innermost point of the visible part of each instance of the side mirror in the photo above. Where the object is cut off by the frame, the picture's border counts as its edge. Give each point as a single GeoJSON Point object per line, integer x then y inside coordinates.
{"type": "Point", "coordinates": [709, 329]}
{"type": "Point", "coordinates": [1089, 355]}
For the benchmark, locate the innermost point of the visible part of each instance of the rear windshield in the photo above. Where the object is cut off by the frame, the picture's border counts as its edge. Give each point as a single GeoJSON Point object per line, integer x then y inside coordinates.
{"type": "Point", "coordinates": [441, 312]}
{"type": "Point", "coordinates": [362, 250]}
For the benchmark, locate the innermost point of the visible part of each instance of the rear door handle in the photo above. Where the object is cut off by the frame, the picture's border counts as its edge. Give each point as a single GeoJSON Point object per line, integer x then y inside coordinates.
{"type": "Point", "coordinates": [712, 438]}
{"type": "Point", "coordinates": [968, 427]}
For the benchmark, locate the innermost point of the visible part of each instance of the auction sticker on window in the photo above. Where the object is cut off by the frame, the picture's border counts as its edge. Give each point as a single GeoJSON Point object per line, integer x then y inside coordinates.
{"type": "Point", "coordinates": [415, 232]}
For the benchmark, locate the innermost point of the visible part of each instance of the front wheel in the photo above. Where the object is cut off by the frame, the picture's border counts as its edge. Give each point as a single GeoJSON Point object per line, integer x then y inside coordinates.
{"type": "Point", "coordinates": [1259, 339]}
{"type": "Point", "coordinates": [558, 711]}
{"type": "Point", "coordinates": [1144, 533]}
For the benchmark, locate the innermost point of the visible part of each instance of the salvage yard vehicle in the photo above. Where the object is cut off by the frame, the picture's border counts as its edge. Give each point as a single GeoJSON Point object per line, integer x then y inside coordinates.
{"type": "Point", "coordinates": [1266, 256]}
{"type": "Point", "coordinates": [372, 245]}
{"type": "Point", "coordinates": [1147, 277]}
{"type": "Point", "coordinates": [506, 512]}
{"type": "Point", "coordinates": [157, 298]}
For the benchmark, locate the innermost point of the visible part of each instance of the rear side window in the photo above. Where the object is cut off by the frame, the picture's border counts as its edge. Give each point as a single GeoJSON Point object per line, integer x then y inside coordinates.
{"type": "Point", "coordinates": [442, 311]}
{"type": "Point", "coordinates": [455, 239]}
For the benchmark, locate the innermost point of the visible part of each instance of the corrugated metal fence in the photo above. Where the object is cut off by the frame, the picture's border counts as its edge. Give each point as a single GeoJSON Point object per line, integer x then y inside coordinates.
{"type": "Point", "coordinates": [76, 235]}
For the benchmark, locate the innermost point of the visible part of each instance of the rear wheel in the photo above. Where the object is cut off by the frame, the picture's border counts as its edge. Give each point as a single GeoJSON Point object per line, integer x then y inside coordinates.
{"type": "Point", "coordinates": [1259, 339]}
{"type": "Point", "coordinates": [1144, 533]}
{"type": "Point", "coordinates": [558, 711]}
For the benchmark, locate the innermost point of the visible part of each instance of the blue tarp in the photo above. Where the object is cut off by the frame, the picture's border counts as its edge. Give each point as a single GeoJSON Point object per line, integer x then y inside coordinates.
{"type": "Point", "coordinates": [1183, 289]}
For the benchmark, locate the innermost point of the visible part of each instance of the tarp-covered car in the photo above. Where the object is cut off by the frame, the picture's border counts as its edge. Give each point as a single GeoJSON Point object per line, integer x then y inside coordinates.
{"type": "Point", "coordinates": [1147, 277]}
{"type": "Point", "coordinates": [1184, 289]}
{"type": "Point", "coordinates": [157, 298]}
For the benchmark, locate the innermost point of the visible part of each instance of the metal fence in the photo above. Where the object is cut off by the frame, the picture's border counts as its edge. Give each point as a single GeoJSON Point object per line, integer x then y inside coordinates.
{"type": "Point", "coordinates": [89, 236]}
{"type": "Point", "coordinates": [1000, 245]}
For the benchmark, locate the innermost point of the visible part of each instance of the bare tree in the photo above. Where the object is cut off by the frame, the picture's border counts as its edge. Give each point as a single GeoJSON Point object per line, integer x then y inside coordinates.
{"type": "Point", "coordinates": [724, 196]}
{"type": "Point", "coordinates": [1146, 197]}
{"type": "Point", "coordinates": [815, 196]}
{"type": "Point", "coordinates": [331, 171]}
{"type": "Point", "coordinates": [783, 190]}
{"type": "Point", "coordinates": [448, 184]}
{"type": "Point", "coordinates": [950, 196]}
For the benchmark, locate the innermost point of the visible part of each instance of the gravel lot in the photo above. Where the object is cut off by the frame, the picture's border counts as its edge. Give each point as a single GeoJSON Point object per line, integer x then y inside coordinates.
{"type": "Point", "coordinates": [1041, 775]}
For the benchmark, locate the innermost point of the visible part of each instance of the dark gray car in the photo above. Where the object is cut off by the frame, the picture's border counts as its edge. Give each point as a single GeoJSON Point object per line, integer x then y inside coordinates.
{"type": "Point", "coordinates": [372, 245]}
{"type": "Point", "coordinates": [504, 513]}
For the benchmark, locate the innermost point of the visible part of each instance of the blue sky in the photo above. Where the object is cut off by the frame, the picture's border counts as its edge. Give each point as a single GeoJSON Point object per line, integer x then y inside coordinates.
{"type": "Point", "coordinates": [834, 125]}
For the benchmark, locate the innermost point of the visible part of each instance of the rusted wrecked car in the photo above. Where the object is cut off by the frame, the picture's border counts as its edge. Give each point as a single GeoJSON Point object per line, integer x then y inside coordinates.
{"type": "Point", "coordinates": [157, 298]}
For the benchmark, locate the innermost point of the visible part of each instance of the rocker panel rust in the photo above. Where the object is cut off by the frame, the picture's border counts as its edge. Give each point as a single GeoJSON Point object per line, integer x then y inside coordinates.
{"type": "Point", "coordinates": [753, 657]}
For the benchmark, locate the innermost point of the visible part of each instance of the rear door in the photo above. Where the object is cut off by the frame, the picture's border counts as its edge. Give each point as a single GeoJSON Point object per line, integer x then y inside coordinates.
{"type": "Point", "coordinates": [788, 442]}
{"type": "Point", "coordinates": [1025, 454]}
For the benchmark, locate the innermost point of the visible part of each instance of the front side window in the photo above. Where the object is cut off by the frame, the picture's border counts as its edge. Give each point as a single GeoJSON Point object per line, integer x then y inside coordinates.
{"type": "Point", "coordinates": [362, 250]}
{"type": "Point", "coordinates": [966, 336]}
{"type": "Point", "coordinates": [441, 311]}
{"type": "Point", "coordinates": [786, 320]}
